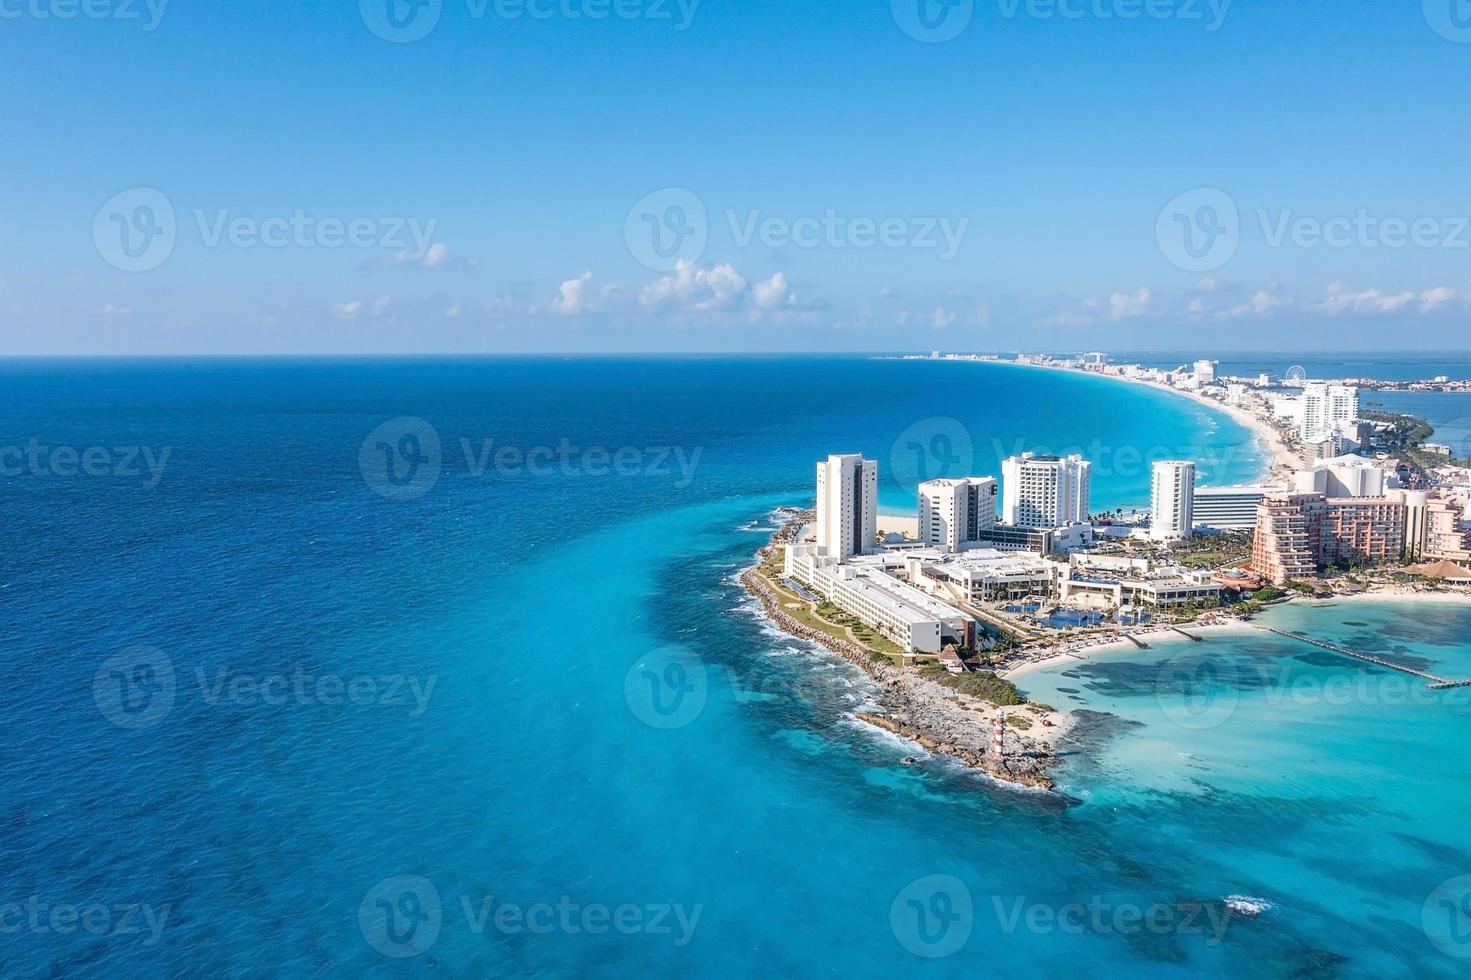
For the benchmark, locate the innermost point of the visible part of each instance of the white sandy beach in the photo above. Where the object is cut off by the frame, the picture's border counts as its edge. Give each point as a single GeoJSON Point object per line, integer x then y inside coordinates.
{"type": "Point", "coordinates": [1082, 648]}
{"type": "Point", "coordinates": [907, 525]}
{"type": "Point", "coordinates": [1398, 595]}
{"type": "Point", "coordinates": [1281, 460]}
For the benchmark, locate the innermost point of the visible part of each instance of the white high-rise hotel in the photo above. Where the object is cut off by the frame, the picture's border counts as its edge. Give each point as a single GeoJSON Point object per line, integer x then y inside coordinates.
{"type": "Point", "coordinates": [847, 506]}
{"type": "Point", "coordinates": [1045, 491]}
{"type": "Point", "coordinates": [953, 512]}
{"type": "Point", "coordinates": [1172, 501]}
{"type": "Point", "coordinates": [1325, 407]}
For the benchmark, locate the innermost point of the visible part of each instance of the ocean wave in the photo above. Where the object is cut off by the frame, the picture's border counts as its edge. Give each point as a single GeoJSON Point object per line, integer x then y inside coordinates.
{"type": "Point", "coordinates": [854, 720]}
{"type": "Point", "coordinates": [1247, 905]}
{"type": "Point", "coordinates": [758, 527]}
{"type": "Point", "coordinates": [770, 522]}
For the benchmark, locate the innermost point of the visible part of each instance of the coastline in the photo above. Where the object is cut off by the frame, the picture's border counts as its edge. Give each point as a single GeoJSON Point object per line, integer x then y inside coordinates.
{"type": "Point", "coordinates": [1072, 651]}
{"type": "Point", "coordinates": [1280, 461]}
{"type": "Point", "coordinates": [1396, 594]}
{"type": "Point", "coordinates": [937, 718]}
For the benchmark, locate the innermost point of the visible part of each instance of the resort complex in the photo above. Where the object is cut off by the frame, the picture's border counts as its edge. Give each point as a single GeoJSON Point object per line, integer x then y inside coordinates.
{"type": "Point", "coordinates": [952, 586]}
{"type": "Point", "coordinates": [992, 563]}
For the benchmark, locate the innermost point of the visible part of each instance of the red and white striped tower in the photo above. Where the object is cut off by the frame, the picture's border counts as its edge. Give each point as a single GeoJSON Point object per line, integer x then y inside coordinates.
{"type": "Point", "coordinates": [996, 743]}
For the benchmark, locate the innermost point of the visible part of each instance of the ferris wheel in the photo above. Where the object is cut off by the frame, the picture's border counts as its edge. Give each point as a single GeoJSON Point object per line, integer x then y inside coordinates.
{"type": "Point", "coordinates": [1296, 376]}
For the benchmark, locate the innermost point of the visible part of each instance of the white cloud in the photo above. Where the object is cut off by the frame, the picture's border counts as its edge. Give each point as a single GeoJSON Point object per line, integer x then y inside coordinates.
{"type": "Point", "coordinates": [1340, 300]}
{"type": "Point", "coordinates": [690, 294]}
{"type": "Point", "coordinates": [1118, 306]}
{"type": "Point", "coordinates": [695, 289]}
{"type": "Point", "coordinates": [110, 310]}
{"type": "Point", "coordinates": [773, 293]}
{"type": "Point", "coordinates": [1124, 306]}
{"type": "Point", "coordinates": [1433, 299]}
{"type": "Point", "coordinates": [941, 318]}
{"type": "Point", "coordinates": [355, 308]}
{"type": "Point", "coordinates": [1262, 303]}
{"type": "Point", "coordinates": [571, 298]}
{"type": "Point", "coordinates": [453, 310]}
{"type": "Point", "coordinates": [1337, 301]}
{"type": "Point", "coordinates": [436, 256]}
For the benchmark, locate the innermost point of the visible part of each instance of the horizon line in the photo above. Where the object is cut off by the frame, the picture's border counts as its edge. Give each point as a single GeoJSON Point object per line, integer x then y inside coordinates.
{"type": "Point", "coordinates": [384, 355]}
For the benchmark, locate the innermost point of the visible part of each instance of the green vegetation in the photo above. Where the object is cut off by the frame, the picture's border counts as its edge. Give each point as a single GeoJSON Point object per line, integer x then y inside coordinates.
{"type": "Point", "coordinates": [1268, 594]}
{"type": "Point", "coordinates": [1404, 437]}
{"type": "Point", "coordinates": [978, 684]}
{"type": "Point", "coordinates": [834, 622]}
{"type": "Point", "coordinates": [1213, 551]}
{"type": "Point", "coordinates": [1192, 610]}
{"type": "Point", "coordinates": [775, 565]}
{"type": "Point", "coordinates": [1019, 722]}
{"type": "Point", "coordinates": [862, 632]}
{"type": "Point", "coordinates": [1403, 430]}
{"type": "Point", "coordinates": [1203, 559]}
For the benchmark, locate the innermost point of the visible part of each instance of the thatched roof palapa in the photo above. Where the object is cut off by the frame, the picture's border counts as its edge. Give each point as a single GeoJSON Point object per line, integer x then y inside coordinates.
{"type": "Point", "coordinates": [1444, 569]}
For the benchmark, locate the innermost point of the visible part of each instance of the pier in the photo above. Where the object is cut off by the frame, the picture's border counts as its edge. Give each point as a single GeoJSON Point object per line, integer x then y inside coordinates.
{"type": "Point", "coordinates": [1436, 683]}
{"type": "Point", "coordinates": [1188, 636]}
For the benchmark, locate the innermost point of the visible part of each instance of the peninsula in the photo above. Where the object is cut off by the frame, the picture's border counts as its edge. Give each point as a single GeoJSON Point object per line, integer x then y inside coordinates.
{"type": "Point", "coordinates": [993, 579]}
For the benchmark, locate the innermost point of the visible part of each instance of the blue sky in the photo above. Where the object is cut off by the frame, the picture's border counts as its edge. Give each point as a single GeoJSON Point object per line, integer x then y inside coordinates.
{"type": "Point", "coordinates": [844, 176]}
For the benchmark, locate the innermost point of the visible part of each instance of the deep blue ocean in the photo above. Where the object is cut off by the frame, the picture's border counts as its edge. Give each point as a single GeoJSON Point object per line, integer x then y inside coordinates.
{"type": "Point", "coordinates": [437, 668]}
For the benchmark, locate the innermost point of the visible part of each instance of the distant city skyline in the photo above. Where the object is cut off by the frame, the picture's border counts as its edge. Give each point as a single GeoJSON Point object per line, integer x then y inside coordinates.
{"type": "Point", "coordinates": [701, 177]}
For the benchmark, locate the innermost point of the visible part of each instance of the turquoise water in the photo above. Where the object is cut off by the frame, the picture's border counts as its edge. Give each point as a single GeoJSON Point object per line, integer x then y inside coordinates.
{"type": "Point", "coordinates": [1331, 790]}
{"type": "Point", "coordinates": [564, 712]}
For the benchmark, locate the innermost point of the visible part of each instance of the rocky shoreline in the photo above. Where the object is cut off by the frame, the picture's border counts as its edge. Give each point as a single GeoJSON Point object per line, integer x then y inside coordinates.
{"type": "Point", "coordinates": [936, 718]}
